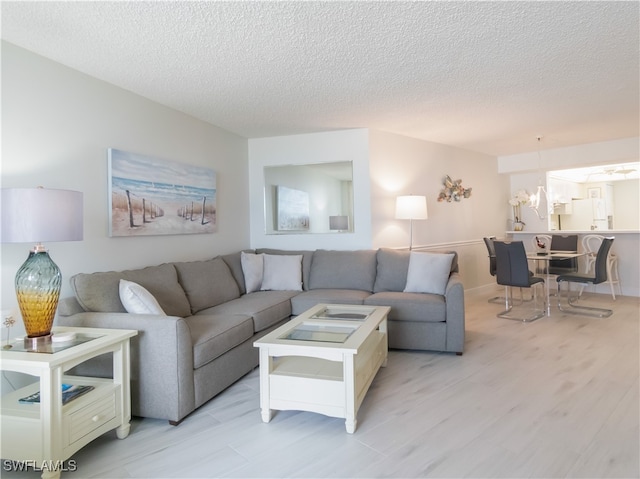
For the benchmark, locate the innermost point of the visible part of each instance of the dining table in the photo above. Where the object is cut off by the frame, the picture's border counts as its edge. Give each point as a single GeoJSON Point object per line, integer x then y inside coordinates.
{"type": "Point", "coordinates": [546, 257]}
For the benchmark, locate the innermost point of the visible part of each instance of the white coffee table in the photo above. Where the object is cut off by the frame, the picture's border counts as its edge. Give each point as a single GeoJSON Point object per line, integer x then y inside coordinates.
{"type": "Point", "coordinates": [323, 361]}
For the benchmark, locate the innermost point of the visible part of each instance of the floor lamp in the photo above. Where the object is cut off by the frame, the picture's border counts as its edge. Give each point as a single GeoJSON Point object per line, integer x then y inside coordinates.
{"type": "Point", "coordinates": [35, 215]}
{"type": "Point", "coordinates": [411, 208]}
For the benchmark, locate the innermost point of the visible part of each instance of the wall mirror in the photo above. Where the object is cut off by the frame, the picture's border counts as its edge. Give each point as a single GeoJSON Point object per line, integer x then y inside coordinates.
{"type": "Point", "coordinates": [595, 197]}
{"type": "Point", "coordinates": [309, 199]}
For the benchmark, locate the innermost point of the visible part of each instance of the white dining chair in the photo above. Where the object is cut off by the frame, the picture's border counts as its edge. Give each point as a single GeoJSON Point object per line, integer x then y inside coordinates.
{"type": "Point", "coordinates": [591, 244]}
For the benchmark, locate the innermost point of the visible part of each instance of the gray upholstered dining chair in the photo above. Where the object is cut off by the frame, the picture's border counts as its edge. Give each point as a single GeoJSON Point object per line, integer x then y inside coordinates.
{"type": "Point", "coordinates": [512, 270]}
{"type": "Point", "coordinates": [488, 241]}
{"type": "Point", "coordinates": [599, 276]}
{"type": "Point", "coordinates": [492, 265]}
{"type": "Point", "coordinates": [564, 243]}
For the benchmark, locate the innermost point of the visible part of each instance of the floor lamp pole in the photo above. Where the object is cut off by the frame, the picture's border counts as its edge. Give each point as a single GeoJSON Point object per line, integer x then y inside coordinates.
{"type": "Point", "coordinates": [410, 234]}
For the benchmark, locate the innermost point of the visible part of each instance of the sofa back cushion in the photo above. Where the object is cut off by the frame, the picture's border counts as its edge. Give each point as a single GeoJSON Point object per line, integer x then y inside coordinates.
{"type": "Point", "coordinates": [233, 261]}
{"type": "Point", "coordinates": [207, 283]}
{"type": "Point", "coordinates": [307, 256]}
{"type": "Point", "coordinates": [393, 266]}
{"type": "Point", "coordinates": [343, 270]}
{"type": "Point", "coordinates": [99, 292]}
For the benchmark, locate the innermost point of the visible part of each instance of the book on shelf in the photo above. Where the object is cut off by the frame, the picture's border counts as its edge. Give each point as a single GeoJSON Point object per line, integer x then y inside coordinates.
{"type": "Point", "coordinates": [69, 392]}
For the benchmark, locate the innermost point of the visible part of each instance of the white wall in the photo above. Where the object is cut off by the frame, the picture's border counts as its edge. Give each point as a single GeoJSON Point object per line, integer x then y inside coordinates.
{"type": "Point", "coordinates": [590, 154]}
{"type": "Point", "coordinates": [400, 166]}
{"type": "Point", "coordinates": [626, 205]}
{"type": "Point", "coordinates": [57, 124]}
{"type": "Point", "coordinates": [314, 148]}
{"type": "Point", "coordinates": [385, 166]}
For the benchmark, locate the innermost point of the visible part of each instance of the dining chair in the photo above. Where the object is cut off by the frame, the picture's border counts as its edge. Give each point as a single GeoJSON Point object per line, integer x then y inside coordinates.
{"type": "Point", "coordinates": [590, 245]}
{"type": "Point", "coordinates": [512, 271]}
{"type": "Point", "coordinates": [564, 243]}
{"type": "Point", "coordinates": [600, 276]}
{"type": "Point", "coordinates": [488, 241]}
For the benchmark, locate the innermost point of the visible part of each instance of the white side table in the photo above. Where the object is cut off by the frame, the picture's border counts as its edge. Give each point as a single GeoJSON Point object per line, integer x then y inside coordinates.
{"type": "Point", "coordinates": [46, 434]}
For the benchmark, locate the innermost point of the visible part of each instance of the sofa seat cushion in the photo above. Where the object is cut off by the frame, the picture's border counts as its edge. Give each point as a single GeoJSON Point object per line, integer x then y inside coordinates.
{"type": "Point", "coordinates": [308, 299]}
{"type": "Point", "coordinates": [207, 283]}
{"type": "Point", "coordinates": [411, 306]}
{"type": "Point", "coordinates": [267, 308]}
{"type": "Point", "coordinates": [99, 292]}
{"type": "Point", "coordinates": [343, 270]}
{"type": "Point", "coordinates": [213, 335]}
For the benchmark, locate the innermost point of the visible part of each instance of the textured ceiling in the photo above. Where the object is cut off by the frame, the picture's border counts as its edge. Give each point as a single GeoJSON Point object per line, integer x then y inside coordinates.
{"type": "Point", "coordinates": [486, 76]}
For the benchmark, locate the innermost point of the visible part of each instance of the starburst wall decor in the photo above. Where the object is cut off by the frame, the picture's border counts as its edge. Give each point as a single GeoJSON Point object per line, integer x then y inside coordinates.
{"type": "Point", "coordinates": [453, 190]}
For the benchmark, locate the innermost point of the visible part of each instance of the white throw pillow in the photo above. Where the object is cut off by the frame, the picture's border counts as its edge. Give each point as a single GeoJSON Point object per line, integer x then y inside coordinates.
{"type": "Point", "coordinates": [137, 300]}
{"type": "Point", "coordinates": [282, 272]}
{"type": "Point", "coordinates": [428, 272]}
{"type": "Point", "coordinates": [252, 268]}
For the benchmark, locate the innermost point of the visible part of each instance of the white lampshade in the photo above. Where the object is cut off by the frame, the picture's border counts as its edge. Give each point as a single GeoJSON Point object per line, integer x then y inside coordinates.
{"type": "Point", "coordinates": [38, 215]}
{"type": "Point", "coordinates": [339, 222]}
{"type": "Point", "coordinates": [411, 208]}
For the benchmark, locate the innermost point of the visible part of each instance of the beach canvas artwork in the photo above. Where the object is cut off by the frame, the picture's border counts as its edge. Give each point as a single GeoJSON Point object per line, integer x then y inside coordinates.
{"type": "Point", "coordinates": [151, 196]}
{"type": "Point", "coordinates": [293, 209]}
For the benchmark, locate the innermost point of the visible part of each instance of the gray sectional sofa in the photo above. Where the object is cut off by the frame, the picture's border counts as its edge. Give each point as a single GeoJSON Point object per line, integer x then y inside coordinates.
{"type": "Point", "coordinates": [205, 341]}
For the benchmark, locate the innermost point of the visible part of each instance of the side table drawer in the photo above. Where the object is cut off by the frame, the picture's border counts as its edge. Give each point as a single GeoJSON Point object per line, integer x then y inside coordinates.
{"type": "Point", "coordinates": [85, 420]}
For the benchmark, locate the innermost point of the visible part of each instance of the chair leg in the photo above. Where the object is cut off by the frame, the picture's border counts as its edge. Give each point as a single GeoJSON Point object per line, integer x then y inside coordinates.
{"type": "Point", "coordinates": [590, 262]}
{"type": "Point", "coordinates": [572, 308]}
{"type": "Point", "coordinates": [536, 313]}
{"type": "Point", "coordinates": [613, 276]}
{"type": "Point", "coordinates": [610, 279]}
{"type": "Point", "coordinates": [504, 299]}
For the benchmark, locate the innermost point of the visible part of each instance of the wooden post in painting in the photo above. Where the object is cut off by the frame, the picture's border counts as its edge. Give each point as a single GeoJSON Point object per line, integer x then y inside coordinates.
{"type": "Point", "coordinates": [130, 209]}
{"type": "Point", "coordinates": [191, 214]}
{"type": "Point", "coordinates": [204, 200]}
{"type": "Point", "coordinates": [144, 211]}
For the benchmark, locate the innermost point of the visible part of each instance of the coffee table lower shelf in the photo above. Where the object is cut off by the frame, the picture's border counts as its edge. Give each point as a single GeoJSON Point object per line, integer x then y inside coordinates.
{"type": "Point", "coordinates": [332, 382]}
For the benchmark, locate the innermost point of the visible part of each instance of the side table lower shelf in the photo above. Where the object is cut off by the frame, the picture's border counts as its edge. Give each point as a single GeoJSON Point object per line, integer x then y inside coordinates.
{"type": "Point", "coordinates": [83, 419]}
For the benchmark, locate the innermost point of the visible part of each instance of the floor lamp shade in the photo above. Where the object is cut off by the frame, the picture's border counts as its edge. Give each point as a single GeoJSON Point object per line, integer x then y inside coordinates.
{"type": "Point", "coordinates": [411, 208]}
{"type": "Point", "coordinates": [35, 215]}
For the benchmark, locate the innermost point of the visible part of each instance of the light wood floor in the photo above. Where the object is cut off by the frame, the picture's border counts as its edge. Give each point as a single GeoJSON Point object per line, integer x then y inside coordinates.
{"type": "Point", "coordinates": [554, 398]}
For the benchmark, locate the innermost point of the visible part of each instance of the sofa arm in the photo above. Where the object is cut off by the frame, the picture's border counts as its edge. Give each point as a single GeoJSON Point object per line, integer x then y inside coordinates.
{"type": "Point", "coordinates": [454, 297]}
{"type": "Point", "coordinates": [161, 361]}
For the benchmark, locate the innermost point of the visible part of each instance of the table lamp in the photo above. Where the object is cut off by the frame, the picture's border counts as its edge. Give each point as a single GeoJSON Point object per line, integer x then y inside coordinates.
{"type": "Point", "coordinates": [411, 208]}
{"type": "Point", "coordinates": [339, 223]}
{"type": "Point", "coordinates": [36, 215]}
